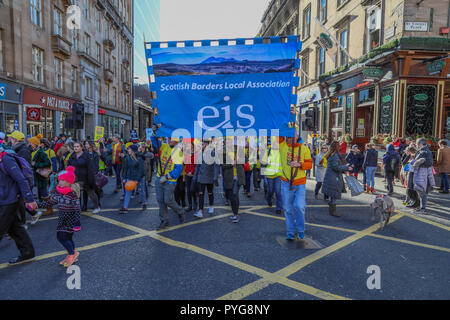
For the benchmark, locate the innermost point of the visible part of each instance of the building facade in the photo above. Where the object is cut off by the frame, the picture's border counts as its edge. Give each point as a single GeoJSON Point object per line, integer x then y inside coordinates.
{"type": "Point", "coordinates": [58, 57]}
{"type": "Point", "coordinates": [146, 28]}
{"type": "Point", "coordinates": [382, 67]}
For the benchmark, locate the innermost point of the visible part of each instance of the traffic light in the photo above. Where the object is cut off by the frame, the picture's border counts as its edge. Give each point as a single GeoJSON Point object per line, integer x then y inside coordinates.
{"type": "Point", "coordinates": [312, 119]}
{"type": "Point", "coordinates": [78, 115]}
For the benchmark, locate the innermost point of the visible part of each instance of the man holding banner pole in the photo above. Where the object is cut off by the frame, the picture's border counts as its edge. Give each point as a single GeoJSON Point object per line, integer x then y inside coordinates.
{"type": "Point", "coordinates": [170, 156]}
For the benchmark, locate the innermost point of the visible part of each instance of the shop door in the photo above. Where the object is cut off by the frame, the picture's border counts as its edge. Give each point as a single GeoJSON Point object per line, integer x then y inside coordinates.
{"type": "Point", "coordinates": [363, 125]}
{"type": "Point", "coordinates": [447, 123]}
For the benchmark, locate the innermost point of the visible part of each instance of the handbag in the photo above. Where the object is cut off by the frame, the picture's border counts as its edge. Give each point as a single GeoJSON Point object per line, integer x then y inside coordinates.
{"type": "Point", "coordinates": [100, 180]}
{"type": "Point", "coordinates": [354, 185]}
{"type": "Point", "coordinates": [44, 172]}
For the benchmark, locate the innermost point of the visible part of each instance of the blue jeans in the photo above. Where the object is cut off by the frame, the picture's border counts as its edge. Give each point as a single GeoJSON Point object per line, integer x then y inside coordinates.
{"type": "Point", "coordinates": [274, 186]}
{"type": "Point", "coordinates": [128, 194]}
{"type": "Point", "coordinates": [370, 176]}
{"type": "Point", "coordinates": [294, 204]}
{"type": "Point", "coordinates": [444, 179]}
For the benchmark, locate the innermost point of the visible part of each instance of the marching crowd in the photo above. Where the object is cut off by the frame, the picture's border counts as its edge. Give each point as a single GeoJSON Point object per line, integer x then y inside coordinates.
{"type": "Point", "coordinates": [67, 173]}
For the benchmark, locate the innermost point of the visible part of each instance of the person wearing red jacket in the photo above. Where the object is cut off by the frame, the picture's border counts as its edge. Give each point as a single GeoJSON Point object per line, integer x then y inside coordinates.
{"type": "Point", "coordinates": [61, 141]}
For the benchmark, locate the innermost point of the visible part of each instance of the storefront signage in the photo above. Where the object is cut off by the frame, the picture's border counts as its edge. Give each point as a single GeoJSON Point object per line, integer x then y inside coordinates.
{"type": "Point", "coordinates": [435, 67]}
{"type": "Point", "coordinates": [33, 114]}
{"type": "Point", "coordinates": [421, 97]}
{"type": "Point", "coordinates": [416, 26]}
{"type": "Point", "coordinates": [2, 91]}
{"type": "Point", "coordinates": [101, 111]}
{"type": "Point", "coordinates": [386, 99]}
{"type": "Point", "coordinates": [326, 41]}
{"type": "Point", "coordinates": [363, 84]}
{"type": "Point", "coordinates": [372, 73]}
{"type": "Point", "coordinates": [40, 99]}
{"type": "Point", "coordinates": [334, 88]}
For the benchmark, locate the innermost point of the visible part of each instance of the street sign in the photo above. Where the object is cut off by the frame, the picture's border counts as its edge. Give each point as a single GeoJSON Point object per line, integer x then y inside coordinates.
{"type": "Point", "coordinates": [416, 26]}
{"type": "Point", "coordinates": [436, 67]}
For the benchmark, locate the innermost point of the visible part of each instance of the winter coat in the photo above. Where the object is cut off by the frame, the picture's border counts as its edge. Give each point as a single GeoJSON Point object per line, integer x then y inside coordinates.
{"type": "Point", "coordinates": [22, 150]}
{"type": "Point", "coordinates": [206, 173]}
{"type": "Point", "coordinates": [443, 160]}
{"type": "Point", "coordinates": [228, 173]}
{"type": "Point", "coordinates": [333, 183]}
{"type": "Point", "coordinates": [424, 180]}
{"type": "Point", "coordinates": [389, 156]}
{"type": "Point", "coordinates": [133, 169]}
{"type": "Point", "coordinates": [40, 161]}
{"type": "Point", "coordinates": [320, 168]}
{"type": "Point", "coordinates": [355, 159]}
{"type": "Point", "coordinates": [13, 184]}
{"type": "Point", "coordinates": [147, 158]}
{"type": "Point", "coordinates": [84, 170]}
{"type": "Point", "coordinates": [426, 154]}
{"type": "Point", "coordinates": [370, 159]}
{"type": "Point", "coordinates": [69, 211]}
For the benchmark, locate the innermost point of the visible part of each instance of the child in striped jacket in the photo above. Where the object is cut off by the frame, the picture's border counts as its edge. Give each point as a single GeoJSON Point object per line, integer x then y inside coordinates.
{"type": "Point", "coordinates": [67, 198]}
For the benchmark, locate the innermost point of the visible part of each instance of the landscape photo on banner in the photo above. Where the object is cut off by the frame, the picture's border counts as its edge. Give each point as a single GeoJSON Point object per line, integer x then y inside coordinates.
{"type": "Point", "coordinates": [220, 88]}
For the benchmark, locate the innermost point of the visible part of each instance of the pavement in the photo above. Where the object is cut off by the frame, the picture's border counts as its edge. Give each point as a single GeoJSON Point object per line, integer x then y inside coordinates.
{"type": "Point", "coordinates": [124, 257]}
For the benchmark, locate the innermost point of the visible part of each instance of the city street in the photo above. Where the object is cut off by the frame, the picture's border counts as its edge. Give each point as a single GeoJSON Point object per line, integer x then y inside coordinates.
{"type": "Point", "coordinates": [123, 257]}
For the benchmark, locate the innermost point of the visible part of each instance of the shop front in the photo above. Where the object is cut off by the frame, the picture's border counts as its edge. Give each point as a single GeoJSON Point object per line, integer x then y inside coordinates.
{"type": "Point", "coordinates": [46, 113]}
{"type": "Point", "coordinates": [447, 110]}
{"type": "Point", "coordinates": [114, 123]}
{"type": "Point", "coordinates": [10, 100]}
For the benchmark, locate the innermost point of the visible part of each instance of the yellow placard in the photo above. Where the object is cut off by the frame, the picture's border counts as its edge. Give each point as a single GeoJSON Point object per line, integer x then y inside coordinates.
{"type": "Point", "coordinates": [99, 132]}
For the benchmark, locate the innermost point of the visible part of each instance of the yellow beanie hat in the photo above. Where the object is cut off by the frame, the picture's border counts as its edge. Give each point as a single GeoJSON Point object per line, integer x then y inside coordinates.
{"type": "Point", "coordinates": [35, 140]}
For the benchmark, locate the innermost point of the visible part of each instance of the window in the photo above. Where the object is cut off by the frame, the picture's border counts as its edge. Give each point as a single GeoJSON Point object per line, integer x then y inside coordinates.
{"type": "Point", "coordinates": [36, 12]}
{"type": "Point", "coordinates": [113, 67]}
{"type": "Point", "coordinates": [97, 20]}
{"type": "Point", "coordinates": [344, 44]}
{"type": "Point", "coordinates": [341, 2]}
{"type": "Point", "coordinates": [88, 88]}
{"type": "Point", "coordinates": [57, 22]}
{"type": "Point", "coordinates": [307, 22]}
{"type": "Point", "coordinates": [1, 50]}
{"type": "Point", "coordinates": [87, 43]}
{"type": "Point", "coordinates": [37, 56]}
{"type": "Point", "coordinates": [106, 59]}
{"type": "Point", "coordinates": [305, 69]}
{"type": "Point", "coordinates": [98, 52]}
{"type": "Point", "coordinates": [74, 39]}
{"type": "Point", "coordinates": [58, 73]}
{"type": "Point", "coordinates": [373, 27]}
{"type": "Point", "coordinates": [323, 4]}
{"type": "Point", "coordinates": [86, 9]}
{"type": "Point", "coordinates": [367, 95]}
{"type": "Point", "coordinates": [320, 61]}
{"type": "Point", "coordinates": [114, 95]}
{"type": "Point", "coordinates": [73, 78]}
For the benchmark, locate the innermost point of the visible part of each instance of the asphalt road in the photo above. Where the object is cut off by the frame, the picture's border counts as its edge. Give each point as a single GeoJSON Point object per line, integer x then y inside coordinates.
{"type": "Point", "coordinates": [123, 257]}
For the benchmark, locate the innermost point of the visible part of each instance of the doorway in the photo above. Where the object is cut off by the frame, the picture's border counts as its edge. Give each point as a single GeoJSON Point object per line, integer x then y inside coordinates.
{"type": "Point", "coordinates": [363, 125]}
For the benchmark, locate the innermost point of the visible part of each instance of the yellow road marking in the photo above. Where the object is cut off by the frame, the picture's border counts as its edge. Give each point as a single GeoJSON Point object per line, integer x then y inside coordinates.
{"type": "Point", "coordinates": [88, 247]}
{"type": "Point", "coordinates": [300, 264]}
{"type": "Point", "coordinates": [436, 224]}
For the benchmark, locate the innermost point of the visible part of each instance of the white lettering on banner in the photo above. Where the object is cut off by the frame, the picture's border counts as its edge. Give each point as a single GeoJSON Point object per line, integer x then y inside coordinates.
{"type": "Point", "coordinates": [2, 91]}
{"type": "Point", "coordinates": [224, 86]}
{"type": "Point", "coordinates": [226, 124]}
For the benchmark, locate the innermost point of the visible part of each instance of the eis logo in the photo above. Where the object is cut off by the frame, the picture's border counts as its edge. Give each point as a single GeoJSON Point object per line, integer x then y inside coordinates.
{"type": "Point", "coordinates": [208, 117]}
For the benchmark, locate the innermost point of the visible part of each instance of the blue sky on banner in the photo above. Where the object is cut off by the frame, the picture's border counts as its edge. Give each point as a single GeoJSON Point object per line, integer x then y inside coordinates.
{"type": "Point", "coordinates": [220, 88]}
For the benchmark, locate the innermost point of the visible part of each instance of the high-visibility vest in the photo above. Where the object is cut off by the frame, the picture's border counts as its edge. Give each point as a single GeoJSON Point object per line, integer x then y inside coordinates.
{"type": "Point", "coordinates": [273, 160]}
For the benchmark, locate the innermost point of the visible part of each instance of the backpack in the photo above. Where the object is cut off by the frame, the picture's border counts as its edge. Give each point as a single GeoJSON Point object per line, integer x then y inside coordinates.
{"type": "Point", "coordinates": [24, 166]}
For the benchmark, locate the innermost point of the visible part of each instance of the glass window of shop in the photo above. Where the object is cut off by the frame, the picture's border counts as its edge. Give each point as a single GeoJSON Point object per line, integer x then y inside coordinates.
{"type": "Point", "coordinates": [111, 125]}
{"type": "Point", "coordinates": [336, 117]}
{"type": "Point", "coordinates": [8, 116]}
{"type": "Point", "coordinates": [62, 129]}
{"type": "Point", "coordinates": [367, 96]}
{"type": "Point", "coordinates": [46, 126]}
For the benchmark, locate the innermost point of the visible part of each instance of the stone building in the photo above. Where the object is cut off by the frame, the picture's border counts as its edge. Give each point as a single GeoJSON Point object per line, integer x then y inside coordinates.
{"type": "Point", "coordinates": [57, 57]}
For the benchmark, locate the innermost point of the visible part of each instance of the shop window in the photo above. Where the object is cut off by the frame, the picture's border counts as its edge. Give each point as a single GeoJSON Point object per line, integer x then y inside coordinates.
{"type": "Point", "coordinates": [367, 96]}
{"type": "Point", "coordinates": [373, 25]}
{"type": "Point", "coordinates": [336, 120]}
{"type": "Point", "coordinates": [37, 64]}
{"type": "Point", "coordinates": [307, 22]}
{"type": "Point", "coordinates": [36, 12]}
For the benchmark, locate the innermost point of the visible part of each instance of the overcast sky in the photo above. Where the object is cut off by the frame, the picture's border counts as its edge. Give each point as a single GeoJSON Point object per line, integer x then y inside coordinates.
{"type": "Point", "coordinates": [210, 19]}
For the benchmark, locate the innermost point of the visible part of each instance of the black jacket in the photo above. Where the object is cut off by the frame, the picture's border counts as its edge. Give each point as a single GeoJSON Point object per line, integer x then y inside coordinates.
{"type": "Point", "coordinates": [370, 159]}
{"type": "Point", "coordinates": [22, 150]}
{"type": "Point", "coordinates": [84, 168]}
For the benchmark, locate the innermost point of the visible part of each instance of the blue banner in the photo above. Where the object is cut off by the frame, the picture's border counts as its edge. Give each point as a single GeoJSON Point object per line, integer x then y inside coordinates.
{"type": "Point", "coordinates": [201, 89]}
{"type": "Point", "coordinates": [2, 91]}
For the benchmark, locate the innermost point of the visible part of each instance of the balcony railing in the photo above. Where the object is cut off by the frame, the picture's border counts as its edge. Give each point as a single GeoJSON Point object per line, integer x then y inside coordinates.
{"type": "Point", "coordinates": [61, 45]}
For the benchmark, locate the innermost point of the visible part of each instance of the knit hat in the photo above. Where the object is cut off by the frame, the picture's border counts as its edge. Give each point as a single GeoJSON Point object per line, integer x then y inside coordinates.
{"type": "Point", "coordinates": [35, 140]}
{"type": "Point", "coordinates": [355, 146]}
{"type": "Point", "coordinates": [133, 147]}
{"type": "Point", "coordinates": [68, 175]}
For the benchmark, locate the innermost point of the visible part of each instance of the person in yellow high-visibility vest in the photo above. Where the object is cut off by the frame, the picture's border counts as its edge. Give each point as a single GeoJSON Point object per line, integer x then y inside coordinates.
{"type": "Point", "coordinates": [295, 160]}
{"type": "Point", "coordinates": [271, 168]}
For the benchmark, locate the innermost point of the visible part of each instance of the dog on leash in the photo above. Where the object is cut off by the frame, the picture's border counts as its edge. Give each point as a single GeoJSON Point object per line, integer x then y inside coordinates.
{"type": "Point", "coordinates": [385, 205]}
